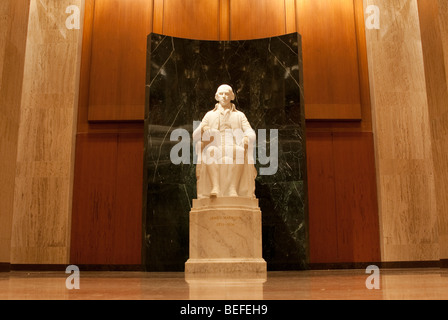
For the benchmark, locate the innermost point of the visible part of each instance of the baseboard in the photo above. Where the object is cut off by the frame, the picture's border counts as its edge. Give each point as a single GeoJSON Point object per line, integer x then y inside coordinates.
{"type": "Point", "coordinates": [5, 267]}
{"type": "Point", "coordinates": [38, 267]}
{"type": "Point", "coordinates": [411, 264]}
{"type": "Point", "coordinates": [82, 267]}
{"type": "Point", "coordinates": [341, 265]}
{"type": "Point", "coordinates": [379, 264]}
{"type": "Point", "coordinates": [110, 267]}
{"type": "Point", "coordinates": [443, 263]}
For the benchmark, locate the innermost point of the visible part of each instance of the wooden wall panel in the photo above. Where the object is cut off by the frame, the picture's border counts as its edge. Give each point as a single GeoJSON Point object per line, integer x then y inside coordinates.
{"type": "Point", "coordinates": [224, 19]}
{"type": "Point", "coordinates": [106, 214]}
{"type": "Point", "coordinates": [128, 206]}
{"type": "Point", "coordinates": [355, 197]}
{"type": "Point", "coordinates": [106, 225]}
{"type": "Point", "coordinates": [363, 68]}
{"type": "Point", "coordinates": [84, 76]}
{"type": "Point", "coordinates": [203, 22]}
{"type": "Point", "coordinates": [252, 19]}
{"type": "Point", "coordinates": [118, 59]}
{"type": "Point", "coordinates": [343, 215]}
{"type": "Point", "coordinates": [330, 55]}
{"type": "Point", "coordinates": [157, 24]}
{"type": "Point", "coordinates": [323, 231]}
{"type": "Point", "coordinates": [335, 69]}
{"type": "Point", "coordinates": [290, 16]}
{"type": "Point", "coordinates": [94, 199]}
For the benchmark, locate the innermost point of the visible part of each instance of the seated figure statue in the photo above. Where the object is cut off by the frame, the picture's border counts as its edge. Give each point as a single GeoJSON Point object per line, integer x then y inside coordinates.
{"type": "Point", "coordinates": [224, 145]}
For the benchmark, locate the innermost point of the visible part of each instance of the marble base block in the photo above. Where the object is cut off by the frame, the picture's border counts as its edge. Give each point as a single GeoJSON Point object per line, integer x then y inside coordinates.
{"type": "Point", "coordinates": [241, 286]}
{"type": "Point", "coordinates": [225, 237]}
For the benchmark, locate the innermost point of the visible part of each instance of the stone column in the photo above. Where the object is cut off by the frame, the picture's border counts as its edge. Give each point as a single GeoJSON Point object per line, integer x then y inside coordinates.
{"type": "Point", "coordinates": [13, 31]}
{"type": "Point", "coordinates": [41, 211]}
{"type": "Point", "coordinates": [403, 135]}
{"type": "Point", "coordinates": [434, 33]}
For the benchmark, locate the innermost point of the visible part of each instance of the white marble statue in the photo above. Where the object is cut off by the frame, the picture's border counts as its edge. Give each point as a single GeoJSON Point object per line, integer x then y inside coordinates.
{"type": "Point", "coordinates": [224, 144]}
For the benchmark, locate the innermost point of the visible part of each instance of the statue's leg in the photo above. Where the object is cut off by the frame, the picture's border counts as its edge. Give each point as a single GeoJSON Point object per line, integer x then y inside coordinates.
{"type": "Point", "coordinates": [226, 169]}
{"type": "Point", "coordinates": [236, 171]}
{"type": "Point", "coordinates": [212, 168]}
{"type": "Point", "coordinates": [213, 173]}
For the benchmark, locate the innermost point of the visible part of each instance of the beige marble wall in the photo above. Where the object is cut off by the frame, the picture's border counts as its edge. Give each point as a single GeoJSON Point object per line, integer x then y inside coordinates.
{"type": "Point", "coordinates": [13, 31]}
{"type": "Point", "coordinates": [44, 165]}
{"type": "Point", "coordinates": [434, 31]}
{"type": "Point", "coordinates": [402, 132]}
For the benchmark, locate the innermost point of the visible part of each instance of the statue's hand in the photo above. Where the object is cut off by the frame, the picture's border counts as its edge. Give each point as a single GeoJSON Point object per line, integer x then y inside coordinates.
{"type": "Point", "coordinates": [205, 133]}
{"type": "Point", "coordinates": [205, 128]}
{"type": "Point", "coordinates": [209, 134]}
{"type": "Point", "coordinates": [246, 142]}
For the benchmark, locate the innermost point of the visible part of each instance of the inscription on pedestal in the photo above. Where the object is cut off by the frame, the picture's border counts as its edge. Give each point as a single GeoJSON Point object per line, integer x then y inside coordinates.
{"type": "Point", "coordinates": [225, 221]}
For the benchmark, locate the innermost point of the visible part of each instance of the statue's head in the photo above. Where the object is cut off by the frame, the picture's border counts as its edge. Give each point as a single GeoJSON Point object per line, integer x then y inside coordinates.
{"type": "Point", "coordinates": [225, 88]}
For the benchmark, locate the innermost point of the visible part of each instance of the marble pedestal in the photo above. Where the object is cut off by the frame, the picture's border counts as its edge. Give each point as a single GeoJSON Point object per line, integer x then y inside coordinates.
{"type": "Point", "coordinates": [225, 237]}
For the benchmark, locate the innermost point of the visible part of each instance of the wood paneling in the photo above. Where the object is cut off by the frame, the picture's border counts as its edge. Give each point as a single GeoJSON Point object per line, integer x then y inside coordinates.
{"type": "Point", "coordinates": [343, 215]}
{"type": "Point", "coordinates": [335, 68]}
{"type": "Point", "coordinates": [84, 77]}
{"type": "Point", "coordinates": [107, 204]}
{"type": "Point", "coordinates": [224, 19]}
{"type": "Point", "coordinates": [83, 125]}
{"type": "Point", "coordinates": [128, 206]}
{"type": "Point", "coordinates": [252, 19]}
{"type": "Point", "coordinates": [290, 16]}
{"type": "Point", "coordinates": [203, 22]}
{"type": "Point", "coordinates": [107, 199]}
{"type": "Point", "coordinates": [157, 25]}
{"type": "Point", "coordinates": [323, 233]}
{"type": "Point", "coordinates": [355, 200]}
{"type": "Point", "coordinates": [363, 67]}
{"type": "Point", "coordinates": [94, 199]}
{"type": "Point", "coordinates": [118, 59]}
{"type": "Point", "coordinates": [330, 55]}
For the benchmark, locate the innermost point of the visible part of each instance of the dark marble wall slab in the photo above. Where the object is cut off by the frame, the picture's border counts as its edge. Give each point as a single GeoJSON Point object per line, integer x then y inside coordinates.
{"type": "Point", "coordinates": [182, 78]}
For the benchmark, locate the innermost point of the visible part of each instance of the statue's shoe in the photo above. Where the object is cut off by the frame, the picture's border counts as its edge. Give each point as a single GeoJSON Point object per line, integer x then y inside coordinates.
{"type": "Point", "coordinates": [214, 192]}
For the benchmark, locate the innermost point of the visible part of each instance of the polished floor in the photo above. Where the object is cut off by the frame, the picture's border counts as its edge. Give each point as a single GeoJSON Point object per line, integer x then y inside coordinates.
{"type": "Point", "coordinates": [394, 284]}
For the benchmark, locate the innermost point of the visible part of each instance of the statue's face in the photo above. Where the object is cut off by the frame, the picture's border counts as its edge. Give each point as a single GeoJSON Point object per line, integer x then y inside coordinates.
{"type": "Point", "coordinates": [224, 97]}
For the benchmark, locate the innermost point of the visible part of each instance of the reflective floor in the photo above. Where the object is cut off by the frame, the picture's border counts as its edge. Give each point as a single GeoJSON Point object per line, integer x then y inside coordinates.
{"type": "Point", "coordinates": [401, 284]}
